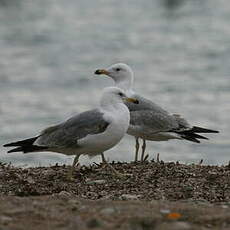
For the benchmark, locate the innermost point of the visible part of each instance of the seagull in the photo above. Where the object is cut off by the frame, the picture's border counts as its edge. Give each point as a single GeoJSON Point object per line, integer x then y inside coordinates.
{"type": "Point", "coordinates": [88, 133]}
{"type": "Point", "coordinates": [148, 120]}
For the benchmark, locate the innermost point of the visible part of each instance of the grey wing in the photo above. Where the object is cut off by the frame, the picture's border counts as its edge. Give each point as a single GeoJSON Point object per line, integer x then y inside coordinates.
{"type": "Point", "coordinates": [152, 118]}
{"type": "Point", "coordinates": [144, 104]}
{"type": "Point", "coordinates": [183, 124]}
{"type": "Point", "coordinates": [153, 122]}
{"type": "Point", "coordinates": [69, 132]}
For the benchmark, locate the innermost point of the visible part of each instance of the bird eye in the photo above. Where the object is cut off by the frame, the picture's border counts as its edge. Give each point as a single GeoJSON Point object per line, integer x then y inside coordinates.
{"type": "Point", "coordinates": [121, 94]}
{"type": "Point", "coordinates": [118, 69]}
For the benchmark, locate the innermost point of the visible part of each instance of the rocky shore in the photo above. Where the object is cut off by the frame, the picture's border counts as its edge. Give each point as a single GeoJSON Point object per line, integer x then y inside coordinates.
{"type": "Point", "coordinates": [150, 195]}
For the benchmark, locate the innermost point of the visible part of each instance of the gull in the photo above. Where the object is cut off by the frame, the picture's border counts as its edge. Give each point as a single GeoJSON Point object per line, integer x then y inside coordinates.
{"type": "Point", "coordinates": [88, 133]}
{"type": "Point", "coordinates": [148, 120]}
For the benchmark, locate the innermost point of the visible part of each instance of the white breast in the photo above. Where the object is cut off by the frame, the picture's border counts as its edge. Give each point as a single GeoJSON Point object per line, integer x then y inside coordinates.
{"type": "Point", "coordinates": [119, 121]}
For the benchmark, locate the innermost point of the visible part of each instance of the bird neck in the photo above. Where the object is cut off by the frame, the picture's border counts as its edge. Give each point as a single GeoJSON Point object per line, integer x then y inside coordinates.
{"type": "Point", "coordinates": [124, 83]}
{"type": "Point", "coordinates": [115, 108]}
{"type": "Point", "coordinates": [108, 101]}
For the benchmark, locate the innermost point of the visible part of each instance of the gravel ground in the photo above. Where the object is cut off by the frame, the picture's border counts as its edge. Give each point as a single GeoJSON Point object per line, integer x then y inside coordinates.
{"type": "Point", "coordinates": [151, 195]}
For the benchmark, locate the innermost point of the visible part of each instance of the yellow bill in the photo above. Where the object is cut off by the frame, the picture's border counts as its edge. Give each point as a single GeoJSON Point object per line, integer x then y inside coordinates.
{"type": "Point", "coordinates": [132, 100]}
{"type": "Point", "coordinates": [101, 71]}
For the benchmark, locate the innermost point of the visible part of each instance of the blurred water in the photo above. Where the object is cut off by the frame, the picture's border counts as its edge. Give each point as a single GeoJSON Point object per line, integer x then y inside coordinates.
{"type": "Point", "coordinates": [179, 50]}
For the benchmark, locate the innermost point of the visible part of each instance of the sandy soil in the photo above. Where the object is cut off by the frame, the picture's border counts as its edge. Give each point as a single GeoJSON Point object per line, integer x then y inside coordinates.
{"type": "Point", "coordinates": [153, 195]}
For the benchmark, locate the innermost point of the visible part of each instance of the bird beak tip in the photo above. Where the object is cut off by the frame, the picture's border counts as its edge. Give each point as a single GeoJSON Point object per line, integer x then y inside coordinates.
{"type": "Point", "coordinates": [101, 71]}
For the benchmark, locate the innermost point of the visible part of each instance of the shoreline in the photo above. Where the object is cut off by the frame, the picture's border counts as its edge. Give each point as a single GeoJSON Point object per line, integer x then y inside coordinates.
{"type": "Point", "coordinates": [196, 197]}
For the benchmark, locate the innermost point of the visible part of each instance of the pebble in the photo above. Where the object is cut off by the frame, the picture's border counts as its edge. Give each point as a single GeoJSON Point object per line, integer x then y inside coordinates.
{"type": "Point", "coordinates": [5, 219]}
{"type": "Point", "coordinates": [181, 225]}
{"type": "Point", "coordinates": [49, 173]}
{"type": "Point", "coordinates": [165, 211]}
{"type": "Point", "coordinates": [224, 206]}
{"type": "Point", "coordinates": [178, 225]}
{"type": "Point", "coordinates": [64, 194]}
{"type": "Point", "coordinates": [129, 197]}
{"type": "Point", "coordinates": [30, 180]}
{"type": "Point", "coordinates": [96, 182]}
{"type": "Point", "coordinates": [75, 204]}
{"type": "Point", "coordinates": [107, 211]}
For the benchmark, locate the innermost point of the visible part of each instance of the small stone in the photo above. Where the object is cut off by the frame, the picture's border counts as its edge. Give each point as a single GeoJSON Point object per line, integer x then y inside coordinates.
{"type": "Point", "coordinates": [108, 211]}
{"type": "Point", "coordinates": [64, 194]}
{"type": "Point", "coordinates": [174, 226]}
{"type": "Point", "coordinates": [224, 206]}
{"type": "Point", "coordinates": [181, 225]}
{"type": "Point", "coordinates": [49, 173]}
{"type": "Point", "coordinates": [90, 195]}
{"type": "Point", "coordinates": [5, 219]}
{"type": "Point", "coordinates": [129, 197]}
{"type": "Point", "coordinates": [30, 180]}
{"type": "Point", "coordinates": [212, 175]}
{"type": "Point", "coordinates": [165, 211]}
{"type": "Point", "coordinates": [96, 182]}
{"type": "Point", "coordinates": [188, 188]}
{"type": "Point", "coordinates": [75, 204]}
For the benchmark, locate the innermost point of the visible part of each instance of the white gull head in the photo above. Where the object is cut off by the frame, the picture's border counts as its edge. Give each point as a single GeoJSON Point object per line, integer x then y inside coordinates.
{"type": "Point", "coordinates": [113, 96]}
{"type": "Point", "coordinates": [121, 73]}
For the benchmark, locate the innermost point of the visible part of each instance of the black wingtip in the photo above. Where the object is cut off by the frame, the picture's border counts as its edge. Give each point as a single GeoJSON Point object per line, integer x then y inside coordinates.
{"type": "Point", "coordinates": [7, 145]}
{"type": "Point", "coordinates": [19, 149]}
{"type": "Point", "coordinates": [195, 135]}
{"type": "Point", "coordinates": [28, 149]}
{"type": "Point", "coordinates": [190, 138]}
{"type": "Point", "coordinates": [197, 129]}
{"type": "Point", "coordinates": [28, 141]}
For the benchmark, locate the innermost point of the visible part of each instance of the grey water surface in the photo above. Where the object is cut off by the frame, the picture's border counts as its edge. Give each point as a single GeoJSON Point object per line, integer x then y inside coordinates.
{"type": "Point", "coordinates": [179, 51]}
